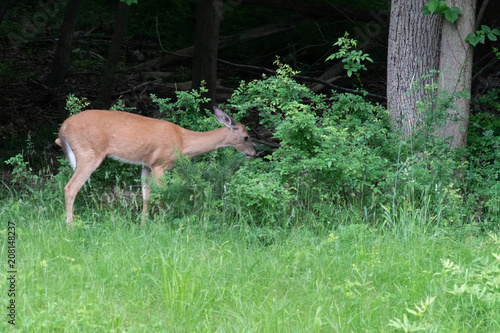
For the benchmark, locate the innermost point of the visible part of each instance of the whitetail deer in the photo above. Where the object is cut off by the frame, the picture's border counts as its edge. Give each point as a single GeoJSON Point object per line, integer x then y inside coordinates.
{"type": "Point", "coordinates": [89, 136]}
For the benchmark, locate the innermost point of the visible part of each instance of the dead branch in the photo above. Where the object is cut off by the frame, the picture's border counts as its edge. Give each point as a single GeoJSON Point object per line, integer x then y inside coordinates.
{"type": "Point", "coordinates": [305, 78]}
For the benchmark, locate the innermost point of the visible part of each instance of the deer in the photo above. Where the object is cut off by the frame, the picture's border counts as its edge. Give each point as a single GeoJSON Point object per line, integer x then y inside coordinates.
{"type": "Point", "coordinates": [90, 136]}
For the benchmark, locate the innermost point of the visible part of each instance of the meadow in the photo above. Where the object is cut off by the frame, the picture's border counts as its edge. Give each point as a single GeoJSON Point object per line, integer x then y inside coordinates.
{"type": "Point", "coordinates": [109, 275]}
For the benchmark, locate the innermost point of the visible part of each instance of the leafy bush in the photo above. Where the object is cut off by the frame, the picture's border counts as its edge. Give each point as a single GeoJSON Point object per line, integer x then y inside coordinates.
{"type": "Point", "coordinates": [192, 186]}
{"type": "Point", "coordinates": [343, 150]}
{"type": "Point", "coordinates": [185, 111]}
{"type": "Point", "coordinates": [23, 173]}
{"type": "Point", "coordinates": [257, 193]}
{"type": "Point", "coordinates": [483, 156]}
{"type": "Point", "coordinates": [269, 98]}
{"type": "Point", "coordinates": [350, 57]}
{"type": "Point", "coordinates": [335, 150]}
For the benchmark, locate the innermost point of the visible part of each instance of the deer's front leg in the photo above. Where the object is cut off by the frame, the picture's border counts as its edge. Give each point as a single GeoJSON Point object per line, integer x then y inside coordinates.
{"type": "Point", "coordinates": [145, 193]}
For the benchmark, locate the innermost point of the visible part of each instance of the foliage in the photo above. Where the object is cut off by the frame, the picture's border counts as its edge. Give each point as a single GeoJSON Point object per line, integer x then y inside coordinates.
{"type": "Point", "coordinates": [435, 109]}
{"type": "Point", "coordinates": [343, 150]}
{"type": "Point", "coordinates": [120, 105]}
{"type": "Point", "coordinates": [483, 155]}
{"type": "Point", "coordinates": [75, 105]}
{"type": "Point", "coordinates": [440, 7]}
{"type": "Point", "coordinates": [478, 283]}
{"type": "Point", "coordinates": [497, 52]}
{"type": "Point", "coordinates": [256, 192]}
{"type": "Point", "coordinates": [330, 150]}
{"type": "Point", "coordinates": [339, 150]}
{"type": "Point", "coordinates": [480, 35]}
{"type": "Point", "coordinates": [196, 186]}
{"type": "Point", "coordinates": [185, 111]}
{"type": "Point", "coordinates": [408, 326]}
{"type": "Point", "coordinates": [270, 96]}
{"type": "Point", "coordinates": [349, 56]}
{"type": "Point", "coordinates": [23, 173]}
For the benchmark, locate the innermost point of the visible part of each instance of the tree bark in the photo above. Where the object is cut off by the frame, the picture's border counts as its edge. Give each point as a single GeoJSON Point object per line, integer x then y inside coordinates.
{"type": "Point", "coordinates": [206, 47]}
{"type": "Point", "coordinates": [414, 40]}
{"type": "Point", "coordinates": [3, 9]}
{"type": "Point", "coordinates": [108, 77]}
{"type": "Point", "coordinates": [456, 70]}
{"type": "Point", "coordinates": [61, 60]}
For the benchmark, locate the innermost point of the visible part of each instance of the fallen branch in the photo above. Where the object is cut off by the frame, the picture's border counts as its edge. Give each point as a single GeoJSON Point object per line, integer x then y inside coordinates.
{"type": "Point", "coordinates": [305, 78]}
{"type": "Point", "coordinates": [135, 88]}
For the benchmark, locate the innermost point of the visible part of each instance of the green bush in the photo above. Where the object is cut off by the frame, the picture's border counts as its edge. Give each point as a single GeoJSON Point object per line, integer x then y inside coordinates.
{"type": "Point", "coordinates": [257, 194]}
{"type": "Point", "coordinates": [199, 186]}
{"type": "Point", "coordinates": [185, 111]}
{"type": "Point", "coordinates": [483, 157]}
{"type": "Point", "coordinates": [330, 150]}
{"type": "Point", "coordinates": [343, 151]}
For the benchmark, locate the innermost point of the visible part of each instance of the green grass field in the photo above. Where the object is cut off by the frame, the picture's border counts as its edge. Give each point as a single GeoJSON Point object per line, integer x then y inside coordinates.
{"type": "Point", "coordinates": [109, 275]}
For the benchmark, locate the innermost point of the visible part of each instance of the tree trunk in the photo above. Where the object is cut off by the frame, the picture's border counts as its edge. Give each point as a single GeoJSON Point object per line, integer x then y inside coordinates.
{"type": "Point", "coordinates": [3, 9]}
{"type": "Point", "coordinates": [61, 60]}
{"type": "Point", "coordinates": [108, 77]}
{"type": "Point", "coordinates": [414, 40]}
{"type": "Point", "coordinates": [456, 70]}
{"type": "Point", "coordinates": [205, 48]}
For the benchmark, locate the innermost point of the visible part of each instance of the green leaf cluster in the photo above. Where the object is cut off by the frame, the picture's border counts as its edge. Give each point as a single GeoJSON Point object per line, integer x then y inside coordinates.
{"type": "Point", "coordinates": [352, 58]}
{"type": "Point", "coordinates": [479, 36]}
{"type": "Point", "coordinates": [440, 7]}
{"type": "Point", "coordinates": [185, 110]}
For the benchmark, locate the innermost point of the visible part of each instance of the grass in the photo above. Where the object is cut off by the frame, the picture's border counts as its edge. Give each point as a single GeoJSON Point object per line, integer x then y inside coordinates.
{"type": "Point", "coordinates": [108, 275]}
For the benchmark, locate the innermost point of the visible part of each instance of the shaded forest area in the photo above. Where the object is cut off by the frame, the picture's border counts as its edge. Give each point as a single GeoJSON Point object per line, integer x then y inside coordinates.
{"type": "Point", "coordinates": [157, 54]}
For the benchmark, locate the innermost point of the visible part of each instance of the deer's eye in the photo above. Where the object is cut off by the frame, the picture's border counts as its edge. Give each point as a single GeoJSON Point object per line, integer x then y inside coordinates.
{"type": "Point", "coordinates": [245, 138]}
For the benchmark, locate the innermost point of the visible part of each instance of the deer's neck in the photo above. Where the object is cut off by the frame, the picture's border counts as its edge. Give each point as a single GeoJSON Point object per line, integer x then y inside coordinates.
{"type": "Point", "coordinates": [197, 143]}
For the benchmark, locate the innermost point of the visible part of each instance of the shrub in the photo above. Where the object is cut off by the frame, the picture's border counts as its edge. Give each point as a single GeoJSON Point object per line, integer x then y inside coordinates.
{"type": "Point", "coordinates": [330, 150]}
{"type": "Point", "coordinates": [257, 194]}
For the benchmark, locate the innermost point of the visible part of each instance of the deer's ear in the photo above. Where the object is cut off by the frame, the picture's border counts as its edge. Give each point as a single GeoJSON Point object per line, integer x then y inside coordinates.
{"type": "Point", "coordinates": [223, 118]}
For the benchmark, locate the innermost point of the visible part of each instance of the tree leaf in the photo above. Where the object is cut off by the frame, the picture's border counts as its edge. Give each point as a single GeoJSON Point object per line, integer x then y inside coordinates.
{"type": "Point", "coordinates": [492, 37]}
{"type": "Point", "coordinates": [472, 39]}
{"type": "Point", "coordinates": [451, 15]}
{"type": "Point", "coordinates": [442, 6]}
{"type": "Point", "coordinates": [431, 6]}
{"type": "Point", "coordinates": [456, 10]}
{"type": "Point", "coordinates": [486, 29]}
